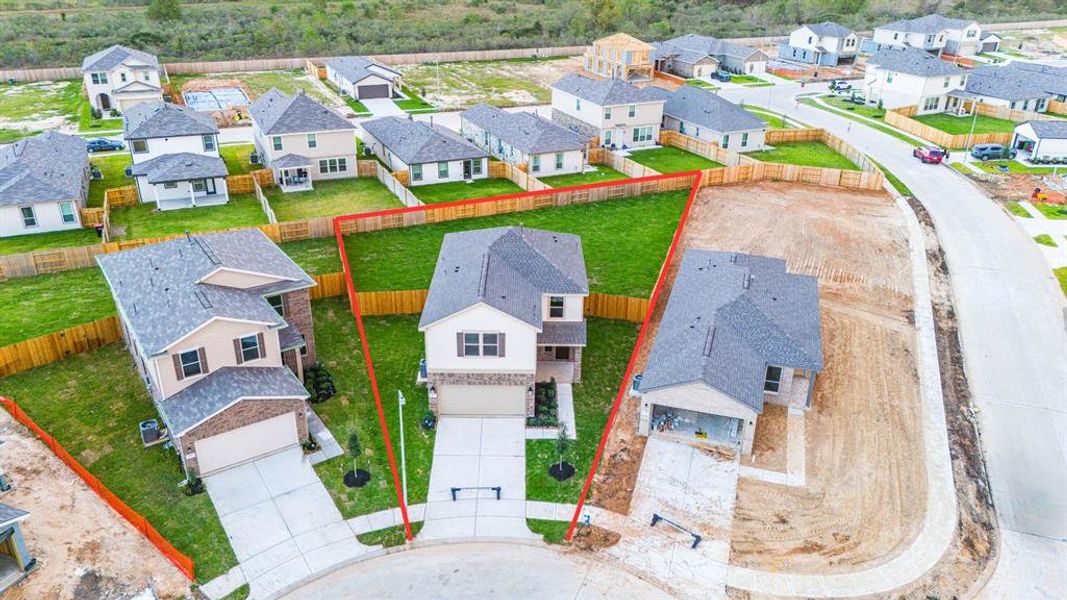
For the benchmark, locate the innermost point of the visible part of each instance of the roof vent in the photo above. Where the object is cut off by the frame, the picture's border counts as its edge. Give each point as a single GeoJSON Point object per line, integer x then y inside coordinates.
{"type": "Point", "coordinates": [202, 297]}
{"type": "Point", "coordinates": [483, 280]}
{"type": "Point", "coordinates": [747, 281]}
{"type": "Point", "coordinates": [709, 341]}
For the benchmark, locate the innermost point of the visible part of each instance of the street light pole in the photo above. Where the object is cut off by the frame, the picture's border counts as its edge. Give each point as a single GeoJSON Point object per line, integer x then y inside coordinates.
{"type": "Point", "coordinates": [403, 458]}
{"type": "Point", "coordinates": [970, 135]}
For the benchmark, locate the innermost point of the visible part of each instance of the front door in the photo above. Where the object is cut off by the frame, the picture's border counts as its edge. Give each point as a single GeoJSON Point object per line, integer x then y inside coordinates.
{"type": "Point", "coordinates": [467, 169]}
{"type": "Point", "coordinates": [563, 352]}
{"type": "Point", "coordinates": [105, 102]}
{"type": "Point", "coordinates": [209, 186]}
{"type": "Point", "coordinates": [607, 138]}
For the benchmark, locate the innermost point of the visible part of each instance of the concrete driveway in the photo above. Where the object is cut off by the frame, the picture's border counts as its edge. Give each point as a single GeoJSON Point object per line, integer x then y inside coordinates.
{"type": "Point", "coordinates": [472, 452]}
{"type": "Point", "coordinates": [382, 107]}
{"type": "Point", "coordinates": [281, 521]}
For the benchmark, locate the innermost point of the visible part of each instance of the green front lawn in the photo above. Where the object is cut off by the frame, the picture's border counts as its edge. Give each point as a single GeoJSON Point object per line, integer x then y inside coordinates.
{"type": "Point", "coordinates": [961, 125]}
{"type": "Point", "coordinates": [357, 107]}
{"type": "Point", "coordinates": [1051, 211]}
{"type": "Point", "coordinates": [745, 79]}
{"type": "Point", "coordinates": [1013, 166]}
{"type": "Point", "coordinates": [700, 83]}
{"type": "Point", "coordinates": [840, 103]}
{"type": "Point", "coordinates": [553, 532]}
{"type": "Point", "coordinates": [45, 241]}
{"type": "Point", "coordinates": [316, 256]}
{"type": "Point", "coordinates": [331, 198]}
{"type": "Point", "coordinates": [812, 154]}
{"type": "Point", "coordinates": [86, 122]}
{"type": "Point", "coordinates": [669, 159]}
{"type": "Point", "coordinates": [113, 167]}
{"type": "Point", "coordinates": [1045, 240]}
{"type": "Point", "coordinates": [413, 103]}
{"type": "Point", "coordinates": [437, 193]}
{"type": "Point", "coordinates": [773, 119]}
{"type": "Point", "coordinates": [390, 536]}
{"type": "Point", "coordinates": [92, 404]}
{"type": "Point", "coordinates": [599, 174]}
{"type": "Point", "coordinates": [236, 158]}
{"type": "Point", "coordinates": [35, 306]}
{"type": "Point", "coordinates": [624, 242]}
{"type": "Point", "coordinates": [866, 123]}
{"type": "Point", "coordinates": [1016, 209]}
{"type": "Point", "coordinates": [1061, 276]}
{"type": "Point", "coordinates": [144, 221]}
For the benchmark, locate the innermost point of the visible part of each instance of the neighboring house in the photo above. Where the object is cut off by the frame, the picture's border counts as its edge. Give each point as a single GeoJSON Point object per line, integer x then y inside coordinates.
{"type": "Point", "coordinates": [1041, 139]}
{"type": "Point", "coordinates": [738, 331]}
{"type": "Point", "coordinates": [44, 180]}
{"type": "Point", "coordinates": [1018, 85]}
{"type": "Point", "coordinates": [897, 77]}
{"type": "Point", "coordinates": [429, 153]}
{"type": "Point", "coordinates": [701, 55]}
{"type": "Point", "coordinates": [989, 42]}
{"type": "Point", "coordinates": [826, 44]}
{"type": "Point", "coordinates": [505, 309]}
{"type": "Point", "coordinates": [302, 141]}
{"type": "Point", "coordinates": [618, 113]}
{"type": "Point", "coordinates": [523, 138]}
{"type": "Point", "coordinates": [362, 78]}
{"type": "Point", "coordinates": [120, 77]}
{"type": "Point", "coordinates": [219, 326]}
{"type": "Point", "coordinates": [15, 559]}
{"type": "Point", "coordinates": [932, 33]}
{"type": "Point", "coordinates": [175, 152]}
{"type": "Point", "coordinates": [619, 56]}
{"type": "Point", "coordinates": [703, 114]}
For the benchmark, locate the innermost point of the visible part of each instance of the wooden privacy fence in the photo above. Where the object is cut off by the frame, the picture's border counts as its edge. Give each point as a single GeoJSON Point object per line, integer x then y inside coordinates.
{"type": "Point", "coordinates": [517, 176]}
{"type": "Point", "coordinates": [407, 302]}
{"type": "Point", "coordinates": [603, 156]}
{"type": "Point", "coordinates": [1006, 112]}
{"type": "Point", "coordinates": [761, 171]}
{"type": "Point", "coordinates": [709, 150]}
{"type": "Point", "coordinates": [141, 524]}
{"type": "Point", "coordinates": [330, 285]}
{"type": "Point", "coordinates": [1057, 107]}
{"type": "Point", "coordinates": [785, 136]}
{"type": "Point", "coordinates": [901, 119]}
{"type": "Point", "coordinates": [46, 349]}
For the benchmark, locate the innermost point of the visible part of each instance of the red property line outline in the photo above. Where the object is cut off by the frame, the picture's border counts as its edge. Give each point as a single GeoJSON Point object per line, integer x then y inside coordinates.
{"type": "Point", "coordinates": [353, 301]}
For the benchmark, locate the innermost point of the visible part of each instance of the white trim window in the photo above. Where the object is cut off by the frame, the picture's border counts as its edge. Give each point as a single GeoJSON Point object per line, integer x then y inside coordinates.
{"type": "Point", "coordinates": [277, 304]}
{"type": "Point", "coordinates": [139, 146]}
{"type": "Point", "coordinates": [632, 112]}
{"type": "Point", "coordinates": [122, 77]}
{"type": "Point", "coordinates": [559, 161]}
{"type": "Point", "coordinates": [931, 103]}
{"type": "Point", "coordinates": [744, 139]}
{"type": "Point", "coordinates": [488, 344]}
{"type": "Point", "coordinates": [209, 142]}
{"type": "Point", "coordinates": [555, 307]}
{"type": "Point", "coordinates": [442, 170]}
{"type": "Point", "coordinates": [250, 348]}
{"type": "Point", "coordinates": [333, 165]}
{"type": "Point", "coordinates": [170, 185]}
{"type": "Point", "coordinates": [643, 134]}
{"type": "Point", "coordinates": [607, 112]}
{"type": "Point", "coordinates": [416, 172]}
{"type": "Point", "coordinates": [772, 381]}
{"type": "Point", "coordinates": [98, 78]}
{"type": "Point", "coordinates": [29, 217]}
{"type": "Point", "coordinates": [189, 363]}
{"type": "Point", "coordinates": [725, 141]}
{"type": "Point", "coordinates": [66, 212]}
{"type": "Point", "coordinates": [313, 141]}
{"type": "Point", "coordinates": [535, 163]}
{"type": "Point", "coordinates": [276, 142]}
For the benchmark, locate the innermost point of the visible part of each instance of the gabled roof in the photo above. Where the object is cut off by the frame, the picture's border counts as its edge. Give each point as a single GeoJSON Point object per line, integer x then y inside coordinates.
{"type": "Point", "coordinates": [829, 29]}
{"type": "Point", "coordinates": [623, 40]}
{"type": "Point", "coordinates": [929, 24]}
{"type": "Point", "coordinates": [988, 34]}
{"type": "Point", "coordinates": [524, 131]}
{"type": "Point", "coordinates": [358, 68]}
{"type": "Point", "coordinates": [276, 113]}
{"type": "Point", "coordinates": [158, 291]}
{"type": "Point", "coordinates": [508, 268]}
{"type": "Point", "coordinates": [108, 59]}
{"type": "Point", "coordinates": [135, 87]}
{"type": "Point", "coordinates": [729, 317]}
{"type": "Point", "coordinates": [604, 92]}
{"type": "Point", "coordinates": [223, 387]}
{"type": "Point", "coordinates": [182, 166]}
{"type": "Point", "coordinates": [913, 61]}
{"type": "Point", "coordinates": [707, 109]}
{"type": "Point", "coordinates": [9, 513]}
{"type": "Point", "coordinates": [162, 119]}
{"type": "Point", "coordinates": [692, 47]}
{"type": "Point", "coordinates": [45, 168]}
{"type": "Point", "coordinates": [417, 142]}
{"type": "Point", "coordinates": [1055, 129]}
{"type": "Point", "coordinates": [1018, 81]}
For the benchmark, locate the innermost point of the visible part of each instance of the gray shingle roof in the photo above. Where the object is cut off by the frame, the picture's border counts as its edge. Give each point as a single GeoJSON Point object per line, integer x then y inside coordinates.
{"type": "Point", "coordinates": [829, 28]}
{"type": "Point", "coordinates": [508, 268]}
{"type": "Point", "coordinates": [717, 331]}
{"type": "Point", "coordinates": [562, 333]}
{"type": "Point", "coordinates": [276, 113]}
{"type": "Point", "coordinates": [913, 61]}
{"type": "Point", "coordinates": [45, 168]}
{"type": "Point", "coordinates": [1018, 81]}
{"type": "Point", "coordinates": [9, 513]}
{"type": "Point", "coordinates": [291, 160]}
{"type": "Point", "coordinates": [161, 119]}
{"type": "Point", "coordinates": [223, 387]}
{"type": "Point", "coordinates": [358, 68]}
{"type": "Point", "coordinates": [1050, 130]}
{"type": "Point", "coordinates": [107, 59]}
{"type": "Point", "coordinates": [707, 109]}
{"type": "Point", "coordinates": [418, 142]}
{"type": "Point", "coordinates": [524, 131]}
{"type": "Point", "coordinates": [929, 24]}
{"type": "Point", "coordinates": [182, 166]}
{"type": "Point", "coordinates": [692, 47]}
{"type": "Point", "coordinates": [157, 289]}
{"type": "Point", "coordinates": [604, 92]}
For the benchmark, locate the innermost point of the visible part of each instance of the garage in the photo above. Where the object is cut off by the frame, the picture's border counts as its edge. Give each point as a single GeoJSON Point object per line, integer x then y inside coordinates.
{"type": "Point", "coordinates": [481, 400]}
{"type": "Point", "coordinates": [372, 91]}
{"type": "Point", "coordinates": [246, 443]}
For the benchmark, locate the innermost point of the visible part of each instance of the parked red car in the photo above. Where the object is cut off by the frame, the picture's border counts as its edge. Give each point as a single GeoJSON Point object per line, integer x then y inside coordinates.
{"type": "Point", "coordinates": [929, 155]}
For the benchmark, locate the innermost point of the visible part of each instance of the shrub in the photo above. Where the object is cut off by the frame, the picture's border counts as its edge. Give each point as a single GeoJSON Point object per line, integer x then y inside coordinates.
{"type": "Point", "coordinates": [194, 487]}
{"type": "Point", "coordinates": [319, 383]}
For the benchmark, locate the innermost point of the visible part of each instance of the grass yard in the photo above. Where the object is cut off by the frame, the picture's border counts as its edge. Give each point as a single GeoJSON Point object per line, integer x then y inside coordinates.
{"type": "Point", "coordinates": [700, 83]}
{"type": "Point", "coordinates": [1016, 209]}
{"type": "Point", "coordinates": [498, 83]}
{"type": "Point", "coordinates": [13, 135]}
{"type": "Point", "coordinates": [260, 82]}
{"type": "Point", "coordinates": [316, 256]}
{"type": "Point", "coordinates": [599, 174]}
{"type": "Point", "coordinates": [813, 154]}
{"type": "Point", "coordinates": [86, 122]}
{"type": "Point", "coordinates": [1061, 276]}
{"type": "Point", "coordinates": [1012, 166]}
{"type": "Point", "coordinates": [35, 306]}
{"type": "Point", "coordinates": [745, 79]}
{"type": "Point", "coordinates": [840, 103]}
{"type": "Point", "coordinates": [553, 532]}
{"type": "Point", "coordinates": [144, 221]}
{"type": "Point", "coordinates": [357, 107]}
{"type": "Point", "coordinates": [773, 119]}
{"type": "Point", "coordinates": [236, 158]}
{"type": "Point", "coordinates": [331, 198]}
{"type": "Point", "coordinates": [437, 193]}
{"type": "Point", "coordinates": [669, 159]}
{"type": "Point", "coordinates": [962, 125]}
{"type": "Point", "coordinates": [603, 366]}
{"type": "Point", "coordinates": [43, 241]}
{"type": "Point", "coordinates": [852, 117]}
{"type": "Point", "coordinates": [1051, 211]}
{"type": "Point", "coordinates": [414, 103]}
{"type": "Point", "coordinates": [624, 242]}
{"type": "Point", "coordinates": [1045, 240]}
{"type": "Point", "coordinates": [113, 168]}
{"type": "Point", "coordinates": [92, 404]}
{"type": "Point", "coordinates": [390, 536]}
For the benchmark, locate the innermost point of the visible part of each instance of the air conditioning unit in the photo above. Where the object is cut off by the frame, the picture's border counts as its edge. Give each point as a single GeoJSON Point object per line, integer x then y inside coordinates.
{"type": "Point", "coordinates": [254, 158]}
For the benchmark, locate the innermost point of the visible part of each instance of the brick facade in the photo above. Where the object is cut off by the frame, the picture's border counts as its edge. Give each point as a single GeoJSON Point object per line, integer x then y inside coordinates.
{"type": "Point", "coordinates": [297, 306]}
{"type": "Point", "coordinates": [574, 123]}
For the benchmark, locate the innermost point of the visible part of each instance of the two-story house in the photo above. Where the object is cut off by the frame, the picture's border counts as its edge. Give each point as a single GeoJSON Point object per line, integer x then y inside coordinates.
{"type": "Point", "coordinates": [897, 77]}
{"type": "Point", "coordinates": [932, 33]}
{"type": "Point", "coordinates": [619, 114]}
{"type": "Point", "coordinates": [301, 140]}
{"type": "Point", "coordinates": [524, 138]}
{"type": "Point", "coordinates": [505, 309]}
{"type": "Point", "coordinates": [175, 152]}
{"type": "Point", "coordinates": [44, 180]}
{"type": "Point", "coordinates": [619, 56]}
{"type": "Point", "coordinates": [428, 153]}
{"type": "Point", "coordinates": [219, 326]}
{"type": "Point", "coordinates": [738, 331]}
{"type": "Point", "coordinates": [119, 77]}
{"type": "Point", "coordinates": [695, 55]}
{"type": "Point", "coordinates": [826, 44]}
{"type": "Point", "coordinates": [705, 115]}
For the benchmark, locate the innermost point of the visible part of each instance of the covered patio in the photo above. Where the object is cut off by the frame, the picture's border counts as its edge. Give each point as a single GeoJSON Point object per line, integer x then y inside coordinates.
{"type": "Point", "coordinates": [293, 173]}
{"type": "Point", "coordinates": [183, 180]}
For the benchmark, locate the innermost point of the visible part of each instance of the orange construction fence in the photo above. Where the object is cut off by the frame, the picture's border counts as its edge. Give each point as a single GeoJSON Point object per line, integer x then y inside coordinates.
{"type": "Point", "coordinates": [141, 524]}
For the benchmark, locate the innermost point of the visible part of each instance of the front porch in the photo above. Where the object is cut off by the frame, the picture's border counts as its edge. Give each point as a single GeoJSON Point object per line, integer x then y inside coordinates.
{"type": "Point", "coordinates": [193, 200]}
{"type": "Point", "coordinates": [293, 173]}
{"type": "Point", "coordinates": [562, 363]}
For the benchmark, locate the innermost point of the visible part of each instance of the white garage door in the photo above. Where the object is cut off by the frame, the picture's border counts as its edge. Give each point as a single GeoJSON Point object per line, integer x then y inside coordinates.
{"type": "Point", "coordinates": [246, 443]}
{"type": "Point", "coordinates": [482, 400]}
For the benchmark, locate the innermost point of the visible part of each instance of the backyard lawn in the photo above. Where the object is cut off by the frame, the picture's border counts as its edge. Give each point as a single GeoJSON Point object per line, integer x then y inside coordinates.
{"type": "Point", "coordinates": [599, 174]}
{"type": "Point", "coordinates": [437, 193]}
{"type": "Point", "coordinates": [91, 403]}
{"type": "Point", "coordinates": [668, 159]}
{"type": "Point", "coordinates": [236, 158]}
{"type": "Point", "coordinates": [814, 154]}
{"type": "Point", "coordinates": [316, 256]}
{"type": "Point", "coordinates": [331, 198]}
{"type": "Point", "coordinates": [144, 221]}
{"type": "Point", "coordinates": [113, 167]}
{"type": "Point", "coordinates": [43, 241]}
{"type": "Point", "coordinates": [35, 306]}
{"type": "Point", "coordinates": [624, 242]}
{"type": "Point", "coordinates": [839, 102]}
{"type": "Point", "coordinates": [961, 125]}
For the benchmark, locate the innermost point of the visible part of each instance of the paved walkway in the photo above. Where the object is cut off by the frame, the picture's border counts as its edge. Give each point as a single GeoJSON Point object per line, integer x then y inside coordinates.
{"type": "Point", "coordinates": [328, 446]}
{"type": "Point", "coordinates": [1039, 224]}
{"type": "Point", "coordinates": [796, 458]}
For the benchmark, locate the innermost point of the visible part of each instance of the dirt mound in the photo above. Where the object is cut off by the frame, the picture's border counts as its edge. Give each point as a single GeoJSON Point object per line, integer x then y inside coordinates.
{"type": "Point", "coordinates": [593, 538]}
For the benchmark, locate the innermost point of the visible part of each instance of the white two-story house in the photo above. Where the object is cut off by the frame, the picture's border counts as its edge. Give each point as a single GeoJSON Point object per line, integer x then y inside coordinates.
{"type": "Point", "coordinates": [428, 153]}
{"type": "Point", "coordinates": [219, 326]}
{"type": "Point", "coordinates": [301, 140]}
{"type": "Point", "coordinates": [524, 138]}
{"type": "Point", "coordinates": [932, 33]}
{"type": "Point", "coordinates": [119, 77]}
{"type": "Point", "coordinates": [701, 113]}
{"type": "Point", "coordinates": [175, 152]}
{"type": "Point", "coordinates": [897, 77]}
{"type": "Point", "coordinates": [44, 180]}
{"type": "Point", "coordinates": [826, 43]}
{"type": "Point", "coordinates": [505, 310]}
{"type": "Point", "coordinates": [618, 113]}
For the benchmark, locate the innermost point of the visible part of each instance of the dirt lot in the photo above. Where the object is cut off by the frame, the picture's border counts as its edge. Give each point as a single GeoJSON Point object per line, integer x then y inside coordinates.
{"type": "Point", "coordinates": [499, 83]}
{"type": "Point", "coordinates": [864, 444]}
{"type": "Point", "coordinates": [83, 548]}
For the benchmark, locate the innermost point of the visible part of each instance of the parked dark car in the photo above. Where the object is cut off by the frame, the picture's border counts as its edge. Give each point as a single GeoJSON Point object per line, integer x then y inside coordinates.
{"type": "Point", "coordinates": [103, 145]}
{"type": "Point", "coordinates": [929, 155]}
{"type": "Point", "coordinates": [991, 152]}
{"type": "Point", "coordinates": [721, 75]}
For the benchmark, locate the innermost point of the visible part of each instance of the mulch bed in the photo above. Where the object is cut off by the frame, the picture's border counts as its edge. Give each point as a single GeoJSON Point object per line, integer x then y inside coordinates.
{"type": "Point", "coordinates": [561, 473]}
{"type": "Point", "coordinates": [357, 478]}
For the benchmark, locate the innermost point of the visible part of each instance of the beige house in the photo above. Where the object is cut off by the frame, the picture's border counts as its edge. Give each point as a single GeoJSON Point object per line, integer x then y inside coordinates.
{"type": "Point", "coordinates": [620, 56]}
{"type": "Point", "coordinates": [118, 78]}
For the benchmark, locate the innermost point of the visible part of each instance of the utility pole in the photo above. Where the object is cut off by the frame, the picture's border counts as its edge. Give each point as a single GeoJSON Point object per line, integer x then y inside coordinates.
{"type": "Point", "coordinates": [970, 135]}
{"type": "Point", "coordinates": [403, 458]}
